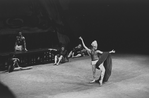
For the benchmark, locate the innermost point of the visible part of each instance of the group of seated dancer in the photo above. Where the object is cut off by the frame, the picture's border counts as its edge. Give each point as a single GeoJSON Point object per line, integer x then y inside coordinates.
{"type": "Point", "coordinates": [101, 62]}
{"type": "Point", "coordinates": [61, 55]}
{"type": "Point", "coordinates": [78, 51]}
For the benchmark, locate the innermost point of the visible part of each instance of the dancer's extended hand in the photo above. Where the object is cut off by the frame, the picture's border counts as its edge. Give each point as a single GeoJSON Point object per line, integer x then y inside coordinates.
{"type": "Point", "coordinates": [113, 51]}
{"type": "Point", "coordinates": [80, 38]}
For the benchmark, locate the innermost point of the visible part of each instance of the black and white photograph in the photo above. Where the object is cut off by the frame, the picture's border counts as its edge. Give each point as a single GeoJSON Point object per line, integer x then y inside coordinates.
{"type": "Point", "coordinates": [74, 49]}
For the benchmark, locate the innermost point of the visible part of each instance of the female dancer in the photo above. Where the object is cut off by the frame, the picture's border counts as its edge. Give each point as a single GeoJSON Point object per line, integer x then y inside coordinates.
{"type": "Point", "coordinates": [94, 53]}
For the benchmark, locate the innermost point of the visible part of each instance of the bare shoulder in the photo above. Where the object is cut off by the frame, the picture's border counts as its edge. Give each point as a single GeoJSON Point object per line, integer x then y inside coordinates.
{"type": "Point", "coordinates": [98, 51]}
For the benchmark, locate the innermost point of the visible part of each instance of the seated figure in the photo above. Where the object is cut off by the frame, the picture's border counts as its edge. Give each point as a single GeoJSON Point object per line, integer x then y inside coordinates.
{"type": "Point", "coordinates": [61, 56]}
{"type": "Point", "coordinates": [13, 63]}
{"type": "Point", "coordinates": [78, 51]}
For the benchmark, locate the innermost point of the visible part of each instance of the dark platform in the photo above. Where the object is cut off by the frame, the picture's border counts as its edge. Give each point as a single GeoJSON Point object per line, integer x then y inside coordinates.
{"type": "Point", "coordinates": [28, 58]}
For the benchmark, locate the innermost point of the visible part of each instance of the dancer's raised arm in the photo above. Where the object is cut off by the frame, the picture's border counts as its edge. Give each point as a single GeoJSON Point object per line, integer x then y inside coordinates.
{"type": "Point", "coordinates": [84, 45]}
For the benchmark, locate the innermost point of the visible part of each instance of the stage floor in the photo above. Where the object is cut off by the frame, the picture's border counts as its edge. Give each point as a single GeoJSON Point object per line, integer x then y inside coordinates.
{"type": "Point", "coordinates": [129, 79]}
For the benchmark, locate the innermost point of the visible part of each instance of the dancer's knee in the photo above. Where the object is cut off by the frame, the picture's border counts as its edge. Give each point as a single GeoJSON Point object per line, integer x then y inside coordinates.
{"type": "Point", "coordinates": [102, 68]}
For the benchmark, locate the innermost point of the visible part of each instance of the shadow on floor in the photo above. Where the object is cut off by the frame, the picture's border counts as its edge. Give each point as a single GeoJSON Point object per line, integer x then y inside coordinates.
{"type": "Point", "coordinates": [5, 92]}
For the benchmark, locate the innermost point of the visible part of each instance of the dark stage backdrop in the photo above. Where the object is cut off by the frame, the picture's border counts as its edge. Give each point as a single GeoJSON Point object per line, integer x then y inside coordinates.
{"type": "Point", "coordinates": [116, 24]}
{"type": "Point", "coordinates": [39, 21]}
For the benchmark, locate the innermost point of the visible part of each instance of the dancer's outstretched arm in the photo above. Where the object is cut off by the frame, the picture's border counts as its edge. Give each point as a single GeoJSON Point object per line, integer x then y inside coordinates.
{"type": "Point", "coordinates": [112, 51]}
{"type": "Point", "coordinates": [84, 44]}
{"type": "Point", "coordinates": [99, 51]}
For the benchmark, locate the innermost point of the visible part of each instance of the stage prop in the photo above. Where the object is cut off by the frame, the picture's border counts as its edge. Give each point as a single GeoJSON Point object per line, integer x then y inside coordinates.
{"type": "Point", "coordinates": [28, 58]}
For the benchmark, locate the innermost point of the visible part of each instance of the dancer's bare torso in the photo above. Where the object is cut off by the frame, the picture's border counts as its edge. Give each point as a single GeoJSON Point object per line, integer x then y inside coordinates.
{"type": "Point", "coordinates": [94, 55]}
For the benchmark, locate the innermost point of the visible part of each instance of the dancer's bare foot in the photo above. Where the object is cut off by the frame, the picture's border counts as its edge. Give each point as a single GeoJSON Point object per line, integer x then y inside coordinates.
{"type": "Point", "coordinates": [93, 81]}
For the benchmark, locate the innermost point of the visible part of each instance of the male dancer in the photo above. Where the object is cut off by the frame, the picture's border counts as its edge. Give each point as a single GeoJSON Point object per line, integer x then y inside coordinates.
{"type": "Point", "coordinates": [94, 53]}
{"type": "Point", "coordinates": [20, 44]}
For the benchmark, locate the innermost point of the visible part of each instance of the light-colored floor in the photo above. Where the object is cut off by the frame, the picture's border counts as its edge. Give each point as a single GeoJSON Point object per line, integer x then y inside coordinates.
{"type": "Point", "coordinates": [129, 79]}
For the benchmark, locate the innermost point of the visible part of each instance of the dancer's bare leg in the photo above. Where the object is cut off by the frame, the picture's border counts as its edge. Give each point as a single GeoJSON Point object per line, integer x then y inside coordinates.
{"type": "Point", "coordinates": [60, 58]}
{"type": "Point", "coordinates": [94, 72]}
{"type": "Point", "coordinates": [69, 55]}
{"type": "Point", "coordinates": [102, 68]}
{"type": "Point", "coordinates": [55, 59]}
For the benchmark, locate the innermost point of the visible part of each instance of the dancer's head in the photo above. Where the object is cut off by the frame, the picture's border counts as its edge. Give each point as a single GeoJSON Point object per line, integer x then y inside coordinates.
{"type": "Point", "coordinates": [62, 48]}
{"type": "Point", "coordinates": [79, 46]}
{"type": "Point", "coordinates": [94, 44]}
{"type": "Point", "coordinates": [20, 33]}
